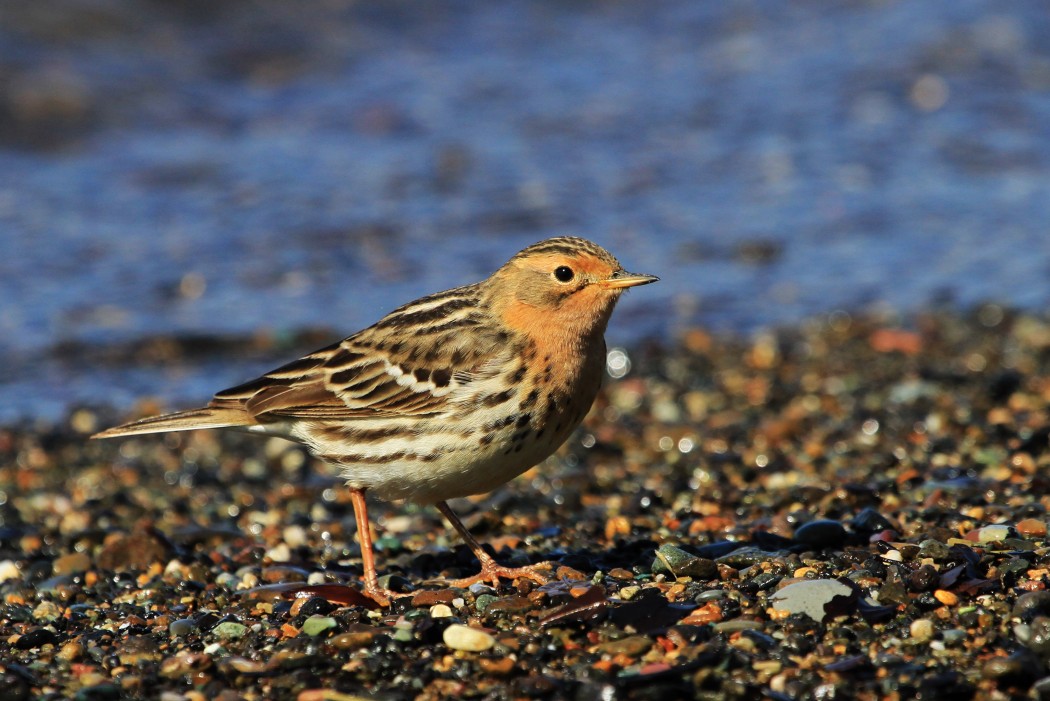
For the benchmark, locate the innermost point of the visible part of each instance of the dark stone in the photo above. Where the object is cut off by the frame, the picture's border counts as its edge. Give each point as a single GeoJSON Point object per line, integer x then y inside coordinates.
{"type": "Point", "coordinates": [823, 533]}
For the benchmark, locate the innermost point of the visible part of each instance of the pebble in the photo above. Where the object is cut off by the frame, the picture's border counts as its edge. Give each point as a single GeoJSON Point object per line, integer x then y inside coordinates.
{"type": "Point", "coordinates": [47, 611]}
{"type": "Point", "coordinates": [631, 646]}
{"type": "Point", "coordinates": [440, 611]}
{"type": "Point", "coordinates": [37, 637]}
{"type": "Point", "coordinates": [8, 571]}
{"type": "Point", "coordinates": [295, 536]}
{"type": "Point", "coordinates": [358, 636]}
{"type": "Point", "coordinates": [512, 605]}
{"type": "Point", "coordinates": [315, 625]}
{"type": "Point", "coordinates": [1031, 604]}
{"type": "Point", "coordinates": [137, 650]}
{"type": "Point", "coordinates": [1031, 528]}
{"type": "Point", "coordinates": [132, 551]}
{"type": "Point", "coordinates": [811, 597]}
{"type": "Point", "coordinates": [73, 563]}
{"type": "Point", "coordinates": [229, 630]}
{"type": "Point", "coordinates": [279, 553]}
{"type": "Point", "coordinates": [460, 637]}
{"type": "Point", "coordinates": [429, 597]}
{"type": "Point", "coordinates": [628, 593]}
{"type": "Point", "coordinates": [868, 520]}
{"type": "Point", "coordinates": [946, 597]}
{"type": "Point", "coordinates": [736, 625]}
{"type": "Point", "coordinates": [670, 558]}
{"type": "Point", "coordinates": [182, 627]}
{"type": "Point", "coordinates": [933, 549]}
{"type": "Point", "coordinates": [990, 534]}
{"type": "Point", "coordinates": [921, 629]}
{"type": "Point", "coordinates": [822, 533]}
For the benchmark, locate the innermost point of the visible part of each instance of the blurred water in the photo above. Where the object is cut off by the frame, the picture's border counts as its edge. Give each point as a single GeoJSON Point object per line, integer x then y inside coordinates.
{"type": "Point", "coordinates": [170, 168]}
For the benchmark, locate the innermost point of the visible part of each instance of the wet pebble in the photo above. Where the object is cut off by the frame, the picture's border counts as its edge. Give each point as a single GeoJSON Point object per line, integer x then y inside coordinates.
{"type": "Point", "coordinates": [73, 563]}
{"type": "Point", "coordinates": [812, 597]}
{"type": "Point", "coordinates": [8, 571]}
{"type": "Point", "coordinates": [465, 638]}
{"type": "Point", "coordinates": [1031, 528]}
{"type": "Point", "coordinates": [922, 629]}
{"type": "Point", "coordinates": [37, 637]}
{"type": "Point", "coordinates": [47, 611]}
{"type": "Point", "coordinates": [134, 551]}
{"type": "Point", "coordinates": [182, 627]}
{"type": "Point", "coordinates": [680, 563]}
{"type": "Point", "coordinates": [1031, 604]}
{"type": "Point", "coordinates": [229, 630]}
{"type": "Point", "coordinates": [990, 534]}
{"type": "Point", "coordinates": [631, 646]}
{"type": "Point", "coordinates": [315, 625]}
{"type": "Point", "coordinates": [358, 636]}
{"type": "Point", "coordinates": [869, 521]}
{"type": "Point", "coordinates": [822, 533]}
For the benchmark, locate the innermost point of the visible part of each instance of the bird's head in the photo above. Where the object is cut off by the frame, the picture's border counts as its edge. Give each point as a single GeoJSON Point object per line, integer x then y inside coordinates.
{"type": "Point", "coordinates": [561, 285]}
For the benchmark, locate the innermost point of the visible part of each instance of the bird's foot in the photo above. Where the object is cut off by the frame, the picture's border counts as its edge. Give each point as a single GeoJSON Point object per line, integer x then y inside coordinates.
{"type": "Point", "coordinates": [492, 573]}
{"type": "Point", "coordinates": [382, 596]}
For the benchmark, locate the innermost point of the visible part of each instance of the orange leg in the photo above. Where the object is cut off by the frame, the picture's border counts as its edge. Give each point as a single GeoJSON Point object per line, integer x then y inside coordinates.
{"type": "Point", "coordinates": [491, 571]}
{"type": "Point", "coordinates": [364, 535]}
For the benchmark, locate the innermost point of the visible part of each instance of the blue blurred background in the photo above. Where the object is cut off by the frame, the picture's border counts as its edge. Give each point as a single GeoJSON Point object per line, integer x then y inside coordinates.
{"type": "Point", "coordinates": [243, 170]}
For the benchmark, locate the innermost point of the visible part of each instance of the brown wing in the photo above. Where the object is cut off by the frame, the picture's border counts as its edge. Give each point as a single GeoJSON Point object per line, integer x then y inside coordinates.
{"type": "Point", "coordinates": [337, 382]}
{"type": "Point", "coordinates": [407, 364]}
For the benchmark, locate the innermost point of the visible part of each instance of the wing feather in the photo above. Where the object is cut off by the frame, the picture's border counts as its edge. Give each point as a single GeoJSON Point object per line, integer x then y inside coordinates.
{"type": "Point", "coordinates": [365, 376]}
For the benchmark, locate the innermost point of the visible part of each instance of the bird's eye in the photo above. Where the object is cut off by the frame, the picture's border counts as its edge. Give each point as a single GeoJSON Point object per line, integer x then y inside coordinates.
{"type": "Point", "coordinates": [563, 273]}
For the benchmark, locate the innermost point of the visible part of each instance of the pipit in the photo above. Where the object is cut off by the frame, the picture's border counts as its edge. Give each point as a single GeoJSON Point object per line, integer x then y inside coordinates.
{"type": "Point", "coordinates": [447, 396]}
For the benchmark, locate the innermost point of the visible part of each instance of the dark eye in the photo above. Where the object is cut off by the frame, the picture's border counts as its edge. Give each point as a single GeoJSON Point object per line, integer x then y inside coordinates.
{"type": "Point", "coordinates": [563, 273]}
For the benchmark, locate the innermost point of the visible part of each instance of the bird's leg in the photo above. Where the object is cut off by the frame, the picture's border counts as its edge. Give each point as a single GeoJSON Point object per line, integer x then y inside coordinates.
{"type": "Point", "coordinates": [364, 536]}
{"type": "Point", "coordinates": [491, 571]}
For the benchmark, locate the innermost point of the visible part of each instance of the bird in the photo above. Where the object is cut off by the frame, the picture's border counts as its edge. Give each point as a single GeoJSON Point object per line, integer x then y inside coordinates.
{"type": "Point", "coordinates": [448, 396]}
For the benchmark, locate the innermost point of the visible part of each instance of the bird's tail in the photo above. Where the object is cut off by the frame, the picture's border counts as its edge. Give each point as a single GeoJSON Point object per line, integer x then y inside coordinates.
{"type": "Point", "coordinates": [205, 417]}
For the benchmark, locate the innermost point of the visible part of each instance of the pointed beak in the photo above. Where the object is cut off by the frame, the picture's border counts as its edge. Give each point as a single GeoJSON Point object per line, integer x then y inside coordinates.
{"type": "Point", "coordinates": [622, 278]}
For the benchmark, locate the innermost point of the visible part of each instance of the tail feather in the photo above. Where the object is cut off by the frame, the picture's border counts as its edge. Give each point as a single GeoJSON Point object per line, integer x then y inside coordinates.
{"type": "Point", "coordinates": [205, 417]}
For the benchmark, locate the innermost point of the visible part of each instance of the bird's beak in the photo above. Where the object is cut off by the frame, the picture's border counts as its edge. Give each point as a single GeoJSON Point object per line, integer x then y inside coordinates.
{"type": "Point", "coordinates": [622, 278]}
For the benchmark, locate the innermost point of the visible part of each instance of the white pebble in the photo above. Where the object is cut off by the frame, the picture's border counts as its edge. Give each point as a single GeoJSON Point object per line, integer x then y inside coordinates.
{"type": "Point", "coordinates": [9, 570]}
{"type": "Point", "coordinates": [894, 555]}
{"type": "Point", "coordinates": [279, 553]}
{"type": "Point", "coordinates": [922, 629]}
{"type": "Point", "coordinates": [440, 611]}
{"type": "Point", "coordinates": [295, 536]}
{"type": "Point", "coordinates": [460, 637]}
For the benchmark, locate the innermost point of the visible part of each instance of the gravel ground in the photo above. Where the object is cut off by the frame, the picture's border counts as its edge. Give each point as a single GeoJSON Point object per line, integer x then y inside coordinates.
{"type": "Point", "coordinates": [853, 508]}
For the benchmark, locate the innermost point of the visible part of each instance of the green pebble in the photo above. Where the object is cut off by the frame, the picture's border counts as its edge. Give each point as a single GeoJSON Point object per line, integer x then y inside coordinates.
{"type": "Point", "coordinates": [680, 563]}
{"type": "Point", "coordinates": [229, 630]}
{"type": "Point", "coordinates": [933, 548]}
{"type": "Point", "coordinates": [100, 692]}
{"type": "Point", "coordinates": [403, 633]}
{"type": "Point", "coordinates": [315, 625]}
{"type": "Point", "coordinates": [390, 544]}
{"type": "Point", "coordinates": [482, 603]}
{"type": "Point", "coordinates": [227, 580]}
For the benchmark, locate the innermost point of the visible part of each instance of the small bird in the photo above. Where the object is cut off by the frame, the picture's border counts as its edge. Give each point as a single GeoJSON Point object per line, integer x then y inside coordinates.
{"type": "Point", "coordinates": [447, 396]}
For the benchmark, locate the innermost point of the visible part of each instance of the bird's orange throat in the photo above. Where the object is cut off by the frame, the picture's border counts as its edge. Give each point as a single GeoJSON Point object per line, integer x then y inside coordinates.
{"type": "Point", "coordinates": [561, 334]}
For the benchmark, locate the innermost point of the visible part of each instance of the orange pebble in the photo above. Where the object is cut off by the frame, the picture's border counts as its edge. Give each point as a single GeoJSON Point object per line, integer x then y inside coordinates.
{"type": "Point", "coordinates": [1031, 528]}
{"type": "Point", "coordinates": [946, 597]}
